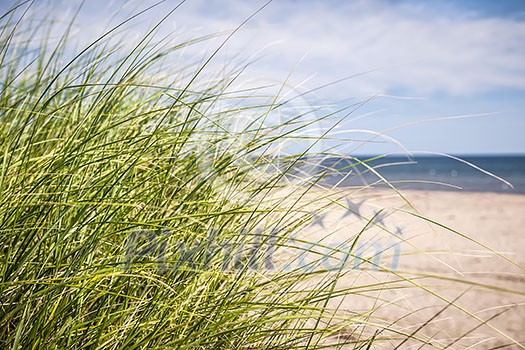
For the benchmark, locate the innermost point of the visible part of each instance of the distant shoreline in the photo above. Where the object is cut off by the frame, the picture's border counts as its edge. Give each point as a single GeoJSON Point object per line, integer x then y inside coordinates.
{"type": "Point", "coordinates": [429, 173]}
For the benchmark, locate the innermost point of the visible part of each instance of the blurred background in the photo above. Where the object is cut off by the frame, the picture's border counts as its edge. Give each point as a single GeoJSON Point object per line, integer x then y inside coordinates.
{"type": "Point", "coordinates": [415, 60]}
{"type": "Point", "coordinates": [429, 76]}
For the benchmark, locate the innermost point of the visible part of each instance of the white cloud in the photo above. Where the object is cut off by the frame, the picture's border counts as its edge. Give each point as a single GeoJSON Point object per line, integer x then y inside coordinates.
{"type": "Point", "coordinates": [415, 48]}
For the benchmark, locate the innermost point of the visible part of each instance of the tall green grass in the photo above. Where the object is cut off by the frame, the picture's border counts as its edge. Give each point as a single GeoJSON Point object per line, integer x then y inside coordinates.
{"type": "Point", "coordinates": [139, 207]}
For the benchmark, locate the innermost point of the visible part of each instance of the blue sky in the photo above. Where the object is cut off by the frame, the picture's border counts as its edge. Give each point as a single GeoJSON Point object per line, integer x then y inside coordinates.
{"type": "Point", "coordinates": [425, 60]}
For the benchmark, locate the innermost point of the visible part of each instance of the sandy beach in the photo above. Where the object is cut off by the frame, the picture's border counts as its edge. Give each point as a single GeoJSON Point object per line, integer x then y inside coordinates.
{"type": "Point", "coordinates": [458, 283]}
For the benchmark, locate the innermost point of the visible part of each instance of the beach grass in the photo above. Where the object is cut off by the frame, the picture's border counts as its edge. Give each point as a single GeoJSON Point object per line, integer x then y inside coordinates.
{"type": "Point", "coordinates": [149, 209]}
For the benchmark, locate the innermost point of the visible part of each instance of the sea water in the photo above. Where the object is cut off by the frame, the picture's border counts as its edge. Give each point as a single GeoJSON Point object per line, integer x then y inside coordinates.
{"type": "Point", "coordinates": [429, 172]}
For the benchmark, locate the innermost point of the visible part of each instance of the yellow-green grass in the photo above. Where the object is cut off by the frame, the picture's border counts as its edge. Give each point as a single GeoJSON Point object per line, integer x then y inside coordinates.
{"type": "Point", "coordinates": [139, 211]}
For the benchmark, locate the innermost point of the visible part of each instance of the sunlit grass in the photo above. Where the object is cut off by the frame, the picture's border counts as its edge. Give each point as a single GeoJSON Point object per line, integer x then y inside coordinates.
{"type": "Point", "coordinates": [139, 211]}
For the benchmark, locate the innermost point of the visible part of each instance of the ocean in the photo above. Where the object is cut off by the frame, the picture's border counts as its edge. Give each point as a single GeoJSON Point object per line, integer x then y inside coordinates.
{"type": "Point", "coordinates": [429, 172]}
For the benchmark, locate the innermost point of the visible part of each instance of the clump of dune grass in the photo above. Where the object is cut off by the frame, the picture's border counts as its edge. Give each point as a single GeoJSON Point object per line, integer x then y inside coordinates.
{"type": "Point", "coordinates": [141, 209]}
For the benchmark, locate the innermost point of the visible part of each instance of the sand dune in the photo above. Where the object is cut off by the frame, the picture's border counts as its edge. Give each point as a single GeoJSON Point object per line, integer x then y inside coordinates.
{"type": "Point", "coordinates": [474, 262]}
